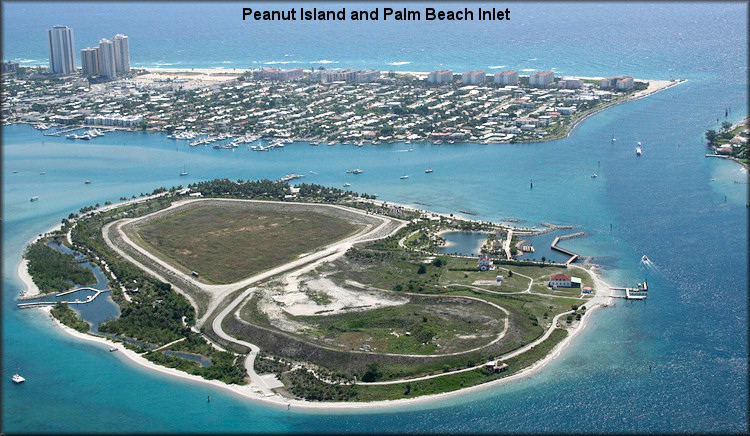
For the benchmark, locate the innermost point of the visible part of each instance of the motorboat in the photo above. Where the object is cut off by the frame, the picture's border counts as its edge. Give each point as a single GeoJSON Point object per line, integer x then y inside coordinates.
{"type": "Point", "coordinates": [17, 378]}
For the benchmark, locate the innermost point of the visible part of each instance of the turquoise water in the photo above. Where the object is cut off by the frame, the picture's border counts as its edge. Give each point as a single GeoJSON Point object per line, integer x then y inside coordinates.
{"type": "Point", "coordinates": [542, 246]}
{"type": "Point", "coordinates": [102, 308]}
{"type": "Point", "coordinates": [692, 330]}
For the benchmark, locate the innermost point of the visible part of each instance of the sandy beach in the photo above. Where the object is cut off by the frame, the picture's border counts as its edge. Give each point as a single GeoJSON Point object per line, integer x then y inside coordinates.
{"type": "Point", "coordinates": [602, 297]}
{"type": "Point", "coordinates": [248, 392]}
{"type": "Point", "coordinates": [30, 288]}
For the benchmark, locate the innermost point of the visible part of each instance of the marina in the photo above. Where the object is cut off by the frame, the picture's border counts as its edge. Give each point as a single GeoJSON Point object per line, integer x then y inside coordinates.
{"type": "Point", "coordinates": [663, 204]}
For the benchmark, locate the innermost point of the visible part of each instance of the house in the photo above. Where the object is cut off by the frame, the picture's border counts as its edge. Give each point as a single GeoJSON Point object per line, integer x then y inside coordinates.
{"type": "Point", "coordinates": [496, 366]}
{"type": "Point", "coordinates": [564, 281]}
{"type": "Point", "coordinates": [484, 263]}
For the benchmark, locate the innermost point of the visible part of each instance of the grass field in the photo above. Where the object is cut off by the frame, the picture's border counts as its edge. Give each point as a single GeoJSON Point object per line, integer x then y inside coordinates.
{"type": "Point", "coordinates": [227, 243]}
{"type": "Point", "coordinates": [426, 325]}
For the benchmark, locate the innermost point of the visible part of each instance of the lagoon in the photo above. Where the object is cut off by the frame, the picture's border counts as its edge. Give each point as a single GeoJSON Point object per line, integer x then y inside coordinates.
{"type": "Point", "coordinates": [692, 330]}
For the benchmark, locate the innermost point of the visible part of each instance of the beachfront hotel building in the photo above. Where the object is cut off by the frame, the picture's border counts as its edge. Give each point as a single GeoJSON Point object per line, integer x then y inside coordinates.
{"type": "Point", "coordinates": [506, 77]}
{"type": "Point", "coordinates": [541, 79]}
{"type": "Point", "coordinates": [61, 52]}
{"type": "Point", "coordinates": [107, 67]}
{"type": "Point", "coordinates": [570, 83]}
{"type": "Point", "coordinates": [347, 75]}
{"type": "Point", "coordinates": [475, 77]}
{"type": "Point", "coordinates": [367, 76]}
{"type": "Point", "coordinates": [440, 76]}
{"type": "Point", "coordinates": [620, 83]}
{"type": "Point", "coordinates": [279, 74]}
{"type": "Point", "coordinates": [90, 61]}
{"type": "Point", "coordinates": [122, 53]}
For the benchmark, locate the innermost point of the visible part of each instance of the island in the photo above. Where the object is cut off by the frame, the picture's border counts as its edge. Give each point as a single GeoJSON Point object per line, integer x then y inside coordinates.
{"type": "Point", "coordinates": [308, 294]}
{"type": "Point", "coordinates": [228, 108]}
{"type": "Point", "coordinates": [729, 142]}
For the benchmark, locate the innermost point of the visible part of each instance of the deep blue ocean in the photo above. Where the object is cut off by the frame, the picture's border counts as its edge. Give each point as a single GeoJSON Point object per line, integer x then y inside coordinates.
{"type": "Point", "coordinates": [686, 212]}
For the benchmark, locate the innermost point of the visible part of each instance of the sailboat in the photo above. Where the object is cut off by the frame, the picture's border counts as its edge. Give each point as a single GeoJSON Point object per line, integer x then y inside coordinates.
{"type": "Point", "coordinates": [183, 173]}
{"type": "Point", "coordinates": [638, 149]}
{"type": "Point", "coordinates": [429, 170]}
{"type": "Point", "coordinates": [613, 138]}
{"type": "Point", "coordinates": [405, 176]}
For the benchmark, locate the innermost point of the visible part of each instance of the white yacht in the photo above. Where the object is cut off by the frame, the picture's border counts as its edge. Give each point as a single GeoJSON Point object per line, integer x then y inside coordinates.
{"type": "Point", "coordinates": [346, 185]}
{"type": "Point", "coordinates": [17, 378]}
{"type": "Point", "coordinates": [638, 150]}
{"type": "Point", "coordinates": [429, 170]}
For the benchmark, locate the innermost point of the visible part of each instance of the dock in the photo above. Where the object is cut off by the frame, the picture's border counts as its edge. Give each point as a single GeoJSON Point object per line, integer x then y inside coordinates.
{"type": "Point", "coordinates": [52, 303]}
{"type": "Point", "coordinates": [640, 292]}
{"type": "Point", "coordinates": [65, 130]}
{"type": "Point", "coordinates": [573, 255]}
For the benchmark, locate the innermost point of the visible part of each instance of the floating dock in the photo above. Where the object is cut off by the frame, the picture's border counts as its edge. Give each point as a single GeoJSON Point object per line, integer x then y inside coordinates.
{"type": "Point", "coordinates": [65, 130]}
{"type": "Point", "coordinates": [640, 292]}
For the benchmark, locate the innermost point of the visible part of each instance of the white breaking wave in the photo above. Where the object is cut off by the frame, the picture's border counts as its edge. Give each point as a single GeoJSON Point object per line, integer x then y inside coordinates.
{"type": "Point", "coordinates": [526, 70]}
{"type": "Point", "coordinates": [324, 61]}
{"type": "Point", "coordinates": [399, 63]}
{"type": "Point", "coordinates": [277, 62]}
{"type": "Point", "coordinates": [497, 67]}
{"type": "Point", "coordinates": [227, 62]}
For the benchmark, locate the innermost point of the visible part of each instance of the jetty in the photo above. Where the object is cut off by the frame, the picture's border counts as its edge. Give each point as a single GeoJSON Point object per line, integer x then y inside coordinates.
{"type": "Point", "coordinates": [573, 255]}
{"type": "Point", "coordinates": [32, 304]}
{"type": "Point", "coordinates": [640, 292]}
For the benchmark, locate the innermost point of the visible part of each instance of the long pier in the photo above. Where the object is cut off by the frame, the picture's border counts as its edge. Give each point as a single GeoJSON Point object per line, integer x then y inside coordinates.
{"type": "Point", "coordinates": [65, 130]}
{"type": "Point", "coordinates": [52, 303]}
{"type": "Point", "coordinates": [573, 255]}
{"type": "Point", "coordinates": [638, 293]}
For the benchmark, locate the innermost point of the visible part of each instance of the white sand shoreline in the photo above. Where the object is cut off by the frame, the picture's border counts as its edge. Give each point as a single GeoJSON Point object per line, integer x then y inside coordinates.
{"type": "Point", "coordinates": [30, 288]}
{"type": "Point", "coordinates": [246, 391]}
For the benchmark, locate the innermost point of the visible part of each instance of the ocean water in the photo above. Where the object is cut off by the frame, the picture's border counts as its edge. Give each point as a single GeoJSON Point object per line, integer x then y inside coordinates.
{"type": "Point", "coordinates": [682, 210]}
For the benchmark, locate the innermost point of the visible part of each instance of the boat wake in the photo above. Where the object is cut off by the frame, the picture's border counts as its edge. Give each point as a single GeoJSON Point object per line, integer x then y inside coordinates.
{"type": "Point", "coordinates": [648, 263]}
